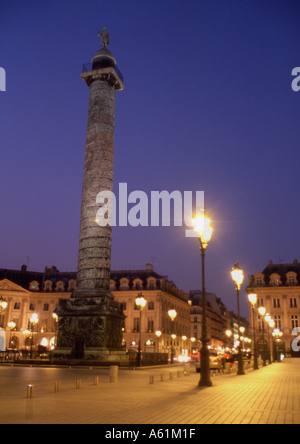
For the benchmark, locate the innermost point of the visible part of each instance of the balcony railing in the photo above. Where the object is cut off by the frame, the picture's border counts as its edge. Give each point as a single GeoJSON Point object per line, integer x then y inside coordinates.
{"type": "Point", "coordinates": [89, 67]}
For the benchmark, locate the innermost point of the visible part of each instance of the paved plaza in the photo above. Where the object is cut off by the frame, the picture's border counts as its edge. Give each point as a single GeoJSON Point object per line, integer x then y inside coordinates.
{"type": "Point", "coordinates": [268, 396]}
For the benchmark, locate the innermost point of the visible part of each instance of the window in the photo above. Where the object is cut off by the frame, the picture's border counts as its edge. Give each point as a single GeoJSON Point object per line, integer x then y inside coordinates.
{"type": "Point", "coordinates": [292, 281]}
{"type": "Point", "coordinates": [293, 303]}
{"type": "Point", "coordinates": [260, 303]}
{"type": "Point", "coordinates": [31, 306]}
{"type": "Point", "coordinates": [48, 286]}
{"type": "Point", "coordinates": [124, 285]}
{"type": "Point", "coordinates": [136, 324]}
{"type": "Point", "coordinates": [17, 306]}
{"type": "Point", "coordinates": [275, 280]}
{"type": "Point", "coordinates": [46, 307]}
{"type": "Point", "coordinates": [124, 305]}
{"type": "Point", "coordinates": [259, 281]}
{"type": "Point", "coordinates": [138, 285]}
{"type": "Point", "coordinates": [151, 305]}
{"type": "Point", "coordinates": [150, 325]}
{"type": "Point", "coordinates": [277, 320]}
{"type": "Point", "coordinates": [276, 303]}
{"type": "Point", "coordinates": [294, 321]}
{"type": "Point", "coordinates": [151, 285]}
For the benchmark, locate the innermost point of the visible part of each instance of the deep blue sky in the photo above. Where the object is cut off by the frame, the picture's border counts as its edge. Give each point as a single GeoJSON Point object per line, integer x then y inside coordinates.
{"type": "Point", "coordinates": [207, 106]}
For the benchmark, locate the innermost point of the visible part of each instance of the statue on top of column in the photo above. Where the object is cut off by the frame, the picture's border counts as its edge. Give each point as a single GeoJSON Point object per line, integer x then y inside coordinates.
{"type": "Point", "coordinates": [104, 35]}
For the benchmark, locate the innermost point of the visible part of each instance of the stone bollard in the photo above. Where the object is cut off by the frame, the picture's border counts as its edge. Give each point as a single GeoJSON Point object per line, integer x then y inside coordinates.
{"type": "Point", "coordinates": [187, 369]}
{"type": "Point", "coordinates": [30, 391]}
{"type": "Point", "coordinates": [151, 379]}
{"type": "Point", "coordinates": [78, 384]}
{"type": "Point", "coordinates": [114, 373]}
{"type": "Point", "coordinates": [96, 380]}
{"type": "Point", "coordinates": [178, 374]}
{"type": "Point", "coordinates": [171, 375]}
{"type": "Point", "coordinates": [162, 377]}
{"type": "Point", "coordinates": [227, 367]}
{"type": "Point", "coordinates": [57, 387]}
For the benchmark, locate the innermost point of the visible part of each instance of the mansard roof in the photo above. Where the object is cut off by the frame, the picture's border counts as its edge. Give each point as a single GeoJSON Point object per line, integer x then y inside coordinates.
{"type": "Point", "coordinates": [281, 270]}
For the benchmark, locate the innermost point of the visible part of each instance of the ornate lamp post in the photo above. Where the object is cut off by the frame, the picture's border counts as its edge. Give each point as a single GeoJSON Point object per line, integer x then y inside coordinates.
{"type": "Point", "coordinates": [271, 325]}
{"type": "Point", "coordinates": [203, 227]}
{"type": "Point", "coordinates": [277, 334]}
{"type": "Point", "coordinates": [228, 334]}
{"type": "Point", "coordinates": [158, 334]}
{"type": "Point", "coordinates": [172, 314]}
{"type": "Point", "coordinates": [253, 300]}
{"type": "Point", "coordinates": [238, 277]}
{"type": "Point", "coordinates": [11, 326]}
{"type": "Point", "coordinates": [268, 320]}
{"type": "Point", "coordinates": [262, 312]}
{"type": "Point", "coordinates": [140, 302]}
{"type": "Point", "coordinates": [33, 321]}
{"type": "Point", "coordinates": [55, 317]}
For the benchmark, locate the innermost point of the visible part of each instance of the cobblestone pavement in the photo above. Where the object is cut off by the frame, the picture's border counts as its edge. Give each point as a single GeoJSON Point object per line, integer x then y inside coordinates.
{"type": "Point", "coordinates": [270, 395]}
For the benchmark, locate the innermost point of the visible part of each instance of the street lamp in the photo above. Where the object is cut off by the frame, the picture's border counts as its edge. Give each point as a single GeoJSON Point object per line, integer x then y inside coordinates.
{"type": "Point", "coordinates": [3, 304]}
{"type": "Point", "coordinates": [277, 334]}
{"type": "Point", "coordinates": [253, 300]}
{"type": "Point", "coordinates": [238, 277]}
{"type": "Point", "coordinates": [272, 325]}
{"type": "Point", "coordinates": [203, 227]}
{"type": "Point", "coordinates": [33, 321]}
{"type": "Point", "coordinates": [140, 302]}
{"type": "Point", "coordinates": [172, 314]}
{"type": "Point", "coordinates": [262, 312]}
{"type": "Point", "coordinates": [158, 334]}
{"type": "Point", "coordinates": [11, 326]}
{"type": "Point", "coordinates": [268, 320]}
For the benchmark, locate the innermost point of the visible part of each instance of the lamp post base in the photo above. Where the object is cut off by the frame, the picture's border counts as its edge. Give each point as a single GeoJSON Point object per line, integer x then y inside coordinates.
{"type": "Point", "coordinates": [205, 380]}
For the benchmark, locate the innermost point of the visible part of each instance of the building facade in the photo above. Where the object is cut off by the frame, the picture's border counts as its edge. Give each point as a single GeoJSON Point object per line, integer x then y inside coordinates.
{"type": "Point", "coordinates": [28, 293]}
{"type": "Point", "coordinates": [278, 290]}
{"type": "Point", "coordinates": [156, 325]}
{"type": "Point", "coordinates": [219, 320]}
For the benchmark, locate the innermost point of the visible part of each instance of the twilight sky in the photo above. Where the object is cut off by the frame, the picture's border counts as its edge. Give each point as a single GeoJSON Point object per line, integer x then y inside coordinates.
{"type": "Point", "coordinates": [207, 106]}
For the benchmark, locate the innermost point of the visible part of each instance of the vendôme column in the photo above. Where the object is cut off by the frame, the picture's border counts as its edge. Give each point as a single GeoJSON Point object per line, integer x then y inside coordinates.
{"type": "Point", "coordinates": [90, 323]}
{"type": "Point", "coordinates": [94, 256]}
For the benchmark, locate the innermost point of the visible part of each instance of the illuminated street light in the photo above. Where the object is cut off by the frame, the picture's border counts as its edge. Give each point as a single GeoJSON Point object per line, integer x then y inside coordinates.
{"type": "Point", "coordinates": [203, 227]}
{"type": "Point", "coordinates": [262, 312]}
{"type": "Point", "coordinates": [172, 314]}
{"type": "Point", "coordinates": [238, 277]}
{"type": "Point", "coordinates": [3, 304]}
{"type": "Point", "coordinates": [140, 302]}
{"type": "Point", "coordinates": [253, 300]}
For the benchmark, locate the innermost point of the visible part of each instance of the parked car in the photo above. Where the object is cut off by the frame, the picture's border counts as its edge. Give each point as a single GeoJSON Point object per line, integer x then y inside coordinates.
{"type": "Point", "coordinates": [13, 353]}
{"type": "Point", "coordinates": [215, 362]}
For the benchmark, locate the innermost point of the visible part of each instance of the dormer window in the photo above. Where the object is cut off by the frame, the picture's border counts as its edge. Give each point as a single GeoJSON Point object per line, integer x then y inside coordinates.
{"type": "Point", "coordinates": [275, 280]}
{"type": "Point", "coordinates": [48, 286]}
{"type": "Point", "coordinates": [124, 284]}
{"type": "Point", "coordinates": [34, 286]}
{"type": "Point", "coordinates": [137, 284]}
{"type": "Point", "coordinates": [259, 280]}
{"type": "Point", "coordinates": [151, 283]}
{"type": "Point", "coordinates": [60, 287]}
{"type": "Point", "coordinates": [72, 285]}
{"type": "Point", "coordinates": [291, 279]}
